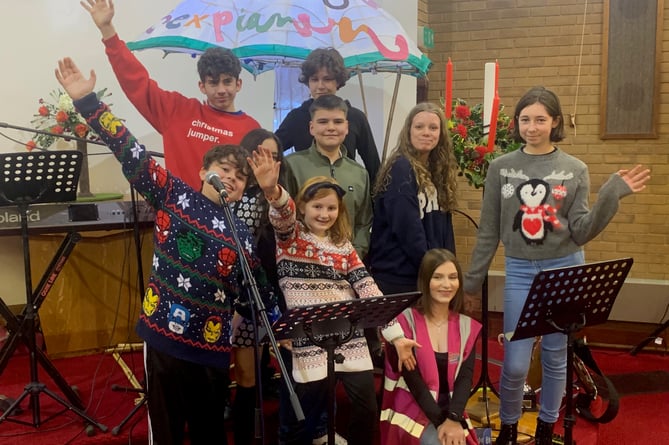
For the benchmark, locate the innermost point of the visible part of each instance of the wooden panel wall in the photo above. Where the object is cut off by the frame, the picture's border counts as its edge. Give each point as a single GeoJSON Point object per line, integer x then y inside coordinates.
{"type": "Point", "coordinates": [95, 301]}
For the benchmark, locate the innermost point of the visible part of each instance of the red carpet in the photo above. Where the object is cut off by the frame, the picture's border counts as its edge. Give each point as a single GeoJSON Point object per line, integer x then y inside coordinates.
{"type": "Point", "coordinates": [640, 420]}
{"type": "Point", "coordinates": [93, 376]}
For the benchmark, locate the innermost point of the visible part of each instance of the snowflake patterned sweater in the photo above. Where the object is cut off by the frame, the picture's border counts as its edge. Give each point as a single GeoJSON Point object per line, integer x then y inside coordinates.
{"type": "Point", "coordinates": [316, 271]}
{"type": "Point", "coordinates": [195, 276]}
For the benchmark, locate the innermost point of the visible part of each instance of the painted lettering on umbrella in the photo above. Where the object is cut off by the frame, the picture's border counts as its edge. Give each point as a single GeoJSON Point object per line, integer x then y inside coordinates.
{"type": "Point", "coordinates": [302, 24]}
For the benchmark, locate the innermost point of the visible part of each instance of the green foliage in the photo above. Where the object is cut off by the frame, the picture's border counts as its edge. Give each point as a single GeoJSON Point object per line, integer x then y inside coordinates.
{"type": "Point", "coordinates": [470, 144]}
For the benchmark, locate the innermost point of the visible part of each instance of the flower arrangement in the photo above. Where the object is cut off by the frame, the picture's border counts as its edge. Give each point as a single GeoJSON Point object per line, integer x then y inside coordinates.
{"type": "Point", "coordinates": [60, 117]}
{"type": "Point", "coordinates": [470, 144]}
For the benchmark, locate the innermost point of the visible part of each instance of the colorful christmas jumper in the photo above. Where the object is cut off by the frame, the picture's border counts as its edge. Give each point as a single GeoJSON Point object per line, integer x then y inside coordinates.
{"type": "Point", "coordinates": [315, 271]}
{"type": "Point", "coordinates": [195, 276]}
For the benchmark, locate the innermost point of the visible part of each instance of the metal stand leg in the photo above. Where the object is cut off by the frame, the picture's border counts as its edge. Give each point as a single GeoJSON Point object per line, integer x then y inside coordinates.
{"type": "Point", "coordinates": [137, 387]}
{"type": "Point", "coordinates": [650, 338]}
{"type": "Point", "coordinates": [139, 403]}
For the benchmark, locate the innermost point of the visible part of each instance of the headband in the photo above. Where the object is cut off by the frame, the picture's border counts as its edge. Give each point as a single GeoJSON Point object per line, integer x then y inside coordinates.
{"type": "Point", "coordinates": [313, 188]}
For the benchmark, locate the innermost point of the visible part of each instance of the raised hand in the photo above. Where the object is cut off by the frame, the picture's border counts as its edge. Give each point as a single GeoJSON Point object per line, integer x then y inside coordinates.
{"type": "Point", "coordinates": [636, 178]}
{"type": "Point", "coordinates": [266, 171]}
{"type": "Point", "coordinates": [102, 12]}
{"type": "Point", "coordinates": [74, 83]}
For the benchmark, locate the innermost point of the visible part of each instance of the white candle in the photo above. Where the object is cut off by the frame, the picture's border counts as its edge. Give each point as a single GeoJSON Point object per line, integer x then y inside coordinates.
{"type": "Point", "coordinates": [488, 94]}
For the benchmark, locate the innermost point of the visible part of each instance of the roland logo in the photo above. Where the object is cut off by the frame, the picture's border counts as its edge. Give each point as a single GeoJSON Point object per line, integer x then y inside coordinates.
{"type": "Point", "coordinates": [13, 219]}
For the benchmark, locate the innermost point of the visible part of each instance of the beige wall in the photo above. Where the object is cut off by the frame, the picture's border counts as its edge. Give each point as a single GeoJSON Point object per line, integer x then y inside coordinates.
{"type": "Point", "coordinates": [538, 43]}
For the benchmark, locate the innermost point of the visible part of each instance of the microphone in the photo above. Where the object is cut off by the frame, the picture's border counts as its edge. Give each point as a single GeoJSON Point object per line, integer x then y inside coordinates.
{"type": "Point", "coordinates": [215, 180]}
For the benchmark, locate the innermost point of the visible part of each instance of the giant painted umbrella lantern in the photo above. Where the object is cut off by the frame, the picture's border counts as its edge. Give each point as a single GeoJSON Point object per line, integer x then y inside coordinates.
{"type": "Point", "coordinates": [266, 34]}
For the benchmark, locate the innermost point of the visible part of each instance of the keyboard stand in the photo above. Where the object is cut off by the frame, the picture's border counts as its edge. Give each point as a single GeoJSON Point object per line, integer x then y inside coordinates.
{"type": "Point", "coordinates": [18, 325]}
{"type": "Point", "coordinates": [26, 179]}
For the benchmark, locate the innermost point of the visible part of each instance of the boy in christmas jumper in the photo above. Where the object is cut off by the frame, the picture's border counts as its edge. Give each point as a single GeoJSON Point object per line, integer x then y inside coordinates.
{"type": "Point", "coordinates": [189, 127]}
{"type": "Point", "coordinates": [195, 277]}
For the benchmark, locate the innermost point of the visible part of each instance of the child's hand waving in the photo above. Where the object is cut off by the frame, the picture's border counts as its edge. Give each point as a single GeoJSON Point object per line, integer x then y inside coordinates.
{"type": "Point", "coordinates": [73, 82]}
{"type": "Point", "coordinates": [266, 171]}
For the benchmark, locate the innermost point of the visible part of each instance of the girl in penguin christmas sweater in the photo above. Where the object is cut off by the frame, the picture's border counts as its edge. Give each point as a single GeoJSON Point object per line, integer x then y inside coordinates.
{"type": "Point", "coordinates": [536, 203]}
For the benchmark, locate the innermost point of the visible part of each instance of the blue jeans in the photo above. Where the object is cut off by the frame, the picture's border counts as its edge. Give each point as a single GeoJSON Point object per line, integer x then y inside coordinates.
{"type": "Point", "coordinates": [429, 436]}
{"type": "Point", "coordinates": [517, 354]}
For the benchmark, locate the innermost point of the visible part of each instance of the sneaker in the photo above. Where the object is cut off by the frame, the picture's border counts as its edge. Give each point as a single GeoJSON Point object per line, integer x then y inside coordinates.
{"type": "Point", "coordinates": [323, 440]}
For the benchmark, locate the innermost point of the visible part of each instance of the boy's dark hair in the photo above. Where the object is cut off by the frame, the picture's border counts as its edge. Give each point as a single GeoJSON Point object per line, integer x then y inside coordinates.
{"type": "Point", "coordinates": [550, 101]}
{"type": "Point", "coordinates": [219, 153]}
{"type": "Point", "coordinates": [217, 61]}
{"type": "Point", "coordinates": [328, 102]}
{"type": "Point", "coordinates": [328, 58]}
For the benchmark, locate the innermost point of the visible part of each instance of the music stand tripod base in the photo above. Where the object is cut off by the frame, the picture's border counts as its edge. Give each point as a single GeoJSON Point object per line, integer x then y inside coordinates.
{"type": "Point", "coordinates": [26, 179]}
{"type": "Point", "coordinates": [484, 412]}
{"type": "Point", "coordinates": [566, 300]}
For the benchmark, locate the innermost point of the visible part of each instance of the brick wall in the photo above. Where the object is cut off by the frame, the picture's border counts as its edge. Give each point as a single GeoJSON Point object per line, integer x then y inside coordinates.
{"type": "Point", "coordinates": [538, 42]}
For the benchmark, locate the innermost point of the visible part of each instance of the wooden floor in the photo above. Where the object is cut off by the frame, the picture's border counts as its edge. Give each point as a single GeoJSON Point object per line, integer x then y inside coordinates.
{"type": "Point", "coordinates": [481, 415]}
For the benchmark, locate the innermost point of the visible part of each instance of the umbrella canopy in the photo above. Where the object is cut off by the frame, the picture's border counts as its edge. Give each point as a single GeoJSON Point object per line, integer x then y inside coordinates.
{"type": "Point", "coordinates": [268, 33]}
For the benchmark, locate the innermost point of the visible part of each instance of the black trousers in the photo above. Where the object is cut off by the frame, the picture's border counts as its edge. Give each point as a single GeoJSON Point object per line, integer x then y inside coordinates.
{"type": "Point", "coordinates": [362, 417]}
{"type": "Point", "coordinates": [184, 395]}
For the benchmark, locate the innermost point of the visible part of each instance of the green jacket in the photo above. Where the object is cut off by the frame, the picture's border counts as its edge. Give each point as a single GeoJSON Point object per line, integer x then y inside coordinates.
{"type": "Point", "coordinates": [350, 175]}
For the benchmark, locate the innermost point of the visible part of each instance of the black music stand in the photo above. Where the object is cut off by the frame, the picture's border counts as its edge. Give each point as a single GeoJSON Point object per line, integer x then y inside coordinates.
{"type": "Point", "coordinates": [566, 300]}
{"type": "Point", "coordinates": [25, 179]}
{"type": "Point", "coordinates": [330, 325]}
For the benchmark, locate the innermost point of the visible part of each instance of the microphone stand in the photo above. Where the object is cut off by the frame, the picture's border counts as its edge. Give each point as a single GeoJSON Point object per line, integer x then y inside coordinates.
{"type": "Point", "coordinates": [258, 308]}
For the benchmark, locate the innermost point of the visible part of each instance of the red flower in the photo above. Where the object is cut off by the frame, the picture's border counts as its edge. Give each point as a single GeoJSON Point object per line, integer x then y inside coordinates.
{"type": "Point", "coordinates": [482, 150]}
{"type": "Point", "coordinates": [81, 130]}
{"type": "Point", "coordinates": [462, 112]}
{"type": "Point", "coordinates": [43, 111]}
{"type": "Point", "coordinates": [461, 130]}
{"type": "Point", "coordinates": [30, 145]}
{"type": "Point", "coordinates": [57, 129]}
{"type": "Point", "coordinates": [61, 117]}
